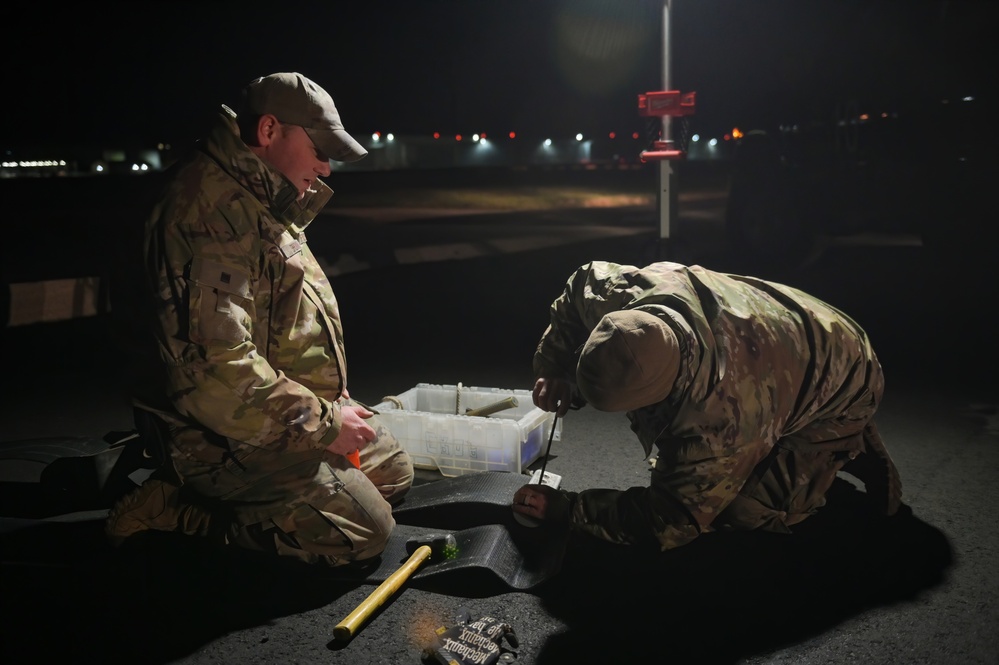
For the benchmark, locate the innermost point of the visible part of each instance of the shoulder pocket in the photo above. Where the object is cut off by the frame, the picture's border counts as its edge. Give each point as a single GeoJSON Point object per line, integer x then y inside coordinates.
{"type": "Point", "coordinates": [214, 275]}
{"type": "Point", "coordinates": [220, 297]}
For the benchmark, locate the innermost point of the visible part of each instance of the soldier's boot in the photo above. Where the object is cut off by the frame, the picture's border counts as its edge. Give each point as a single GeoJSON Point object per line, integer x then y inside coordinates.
{"type": "Point", "coordinates": [875, 468]}
{"type": "Point", "coordinates": [158, 506]}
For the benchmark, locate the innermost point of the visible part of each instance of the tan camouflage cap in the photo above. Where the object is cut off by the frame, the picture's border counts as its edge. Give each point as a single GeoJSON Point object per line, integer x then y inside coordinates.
{"type": "Point", "coordinates": [296, 100]}
{"type": "Point", "coordinates": [630, 360]}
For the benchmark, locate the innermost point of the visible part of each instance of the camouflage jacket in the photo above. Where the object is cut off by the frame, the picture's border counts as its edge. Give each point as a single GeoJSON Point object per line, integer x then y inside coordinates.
{"type": "Point", "coordinates": [247, 326]}
{"type": "Point", "coordinates": [760, 362]}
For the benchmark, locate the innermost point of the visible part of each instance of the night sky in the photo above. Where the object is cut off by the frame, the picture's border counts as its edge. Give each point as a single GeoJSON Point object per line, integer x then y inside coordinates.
{"type": "Point", "coordinates": [100, 73]}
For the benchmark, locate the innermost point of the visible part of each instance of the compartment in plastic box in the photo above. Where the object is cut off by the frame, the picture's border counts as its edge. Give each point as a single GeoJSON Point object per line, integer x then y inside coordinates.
{"type": "Point", "coordinates": [431, 424]}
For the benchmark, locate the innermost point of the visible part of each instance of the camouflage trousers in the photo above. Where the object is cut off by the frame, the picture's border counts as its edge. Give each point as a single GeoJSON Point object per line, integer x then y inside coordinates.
{"type": "Point", "coordinates": [790, 483]}
{"type": "Point", "coordinates": [315, 506]}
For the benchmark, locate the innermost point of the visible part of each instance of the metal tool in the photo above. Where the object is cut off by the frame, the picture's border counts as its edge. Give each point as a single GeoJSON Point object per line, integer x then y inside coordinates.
{"type": "Point", "coordinates": [553, 480]}
{"type": "Point", "coordinates": [551, 436]}
{"type": "Point", "coordinates": [435, 547]}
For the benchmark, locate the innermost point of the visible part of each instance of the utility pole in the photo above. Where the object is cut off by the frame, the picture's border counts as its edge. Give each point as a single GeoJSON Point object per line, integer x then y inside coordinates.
{"type": "Point", "coordinates": [665, 104]}
{"type": "Point", "coordinates": [666, 195]}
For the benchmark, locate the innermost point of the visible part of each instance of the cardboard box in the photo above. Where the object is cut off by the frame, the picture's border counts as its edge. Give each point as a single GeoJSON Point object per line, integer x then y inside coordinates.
{"type": "Point", "coordinates": [431, 422]}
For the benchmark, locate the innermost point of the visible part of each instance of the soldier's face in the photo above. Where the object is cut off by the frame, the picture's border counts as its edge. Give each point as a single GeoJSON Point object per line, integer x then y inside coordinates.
{"type": "Point", "coordinates": [293, 153]}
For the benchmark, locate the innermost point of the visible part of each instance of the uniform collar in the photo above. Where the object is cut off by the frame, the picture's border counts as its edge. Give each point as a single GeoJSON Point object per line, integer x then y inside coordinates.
{"type": "Point", "coordinates": [270, 187]}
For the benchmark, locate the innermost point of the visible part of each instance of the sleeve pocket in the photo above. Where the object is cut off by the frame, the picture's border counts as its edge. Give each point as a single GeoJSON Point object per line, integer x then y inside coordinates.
{"type": "Point", "coordinates": [208, 273]}
{"type": "Point", "coordinates": [218, 298]}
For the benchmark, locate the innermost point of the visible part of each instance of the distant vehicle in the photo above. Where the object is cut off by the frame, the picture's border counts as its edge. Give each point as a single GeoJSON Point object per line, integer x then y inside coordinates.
{"type": "Point", "coordinates": [862, 168]}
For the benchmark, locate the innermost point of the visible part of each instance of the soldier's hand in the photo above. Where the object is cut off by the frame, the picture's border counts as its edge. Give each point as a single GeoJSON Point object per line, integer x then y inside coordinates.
{"type": "Point", "coordinates": [552, 395]}
{"type": "Point", "coordinates": [542, 503]}
{"type": "Point", "coordinates": [355, 433]}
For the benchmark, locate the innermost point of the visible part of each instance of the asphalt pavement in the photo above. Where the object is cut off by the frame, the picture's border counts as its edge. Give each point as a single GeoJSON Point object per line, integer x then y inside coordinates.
{"type": "Point", "coordinates": [452, 298]}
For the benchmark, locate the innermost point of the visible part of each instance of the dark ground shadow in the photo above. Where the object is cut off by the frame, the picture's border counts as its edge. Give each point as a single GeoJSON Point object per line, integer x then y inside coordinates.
{"type": "Point", "coordinates": [67, 595]}
{"type": "Point", "coordinates": [163, 596]}
{"type": "Point", "coordinates": [154, 600]}
{"type": "Point", "coordinates": [728, 596]}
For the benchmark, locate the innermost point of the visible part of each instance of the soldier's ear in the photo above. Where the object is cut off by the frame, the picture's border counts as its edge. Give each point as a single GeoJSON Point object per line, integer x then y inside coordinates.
{"type": "Point", "coordinates": [268, 127]}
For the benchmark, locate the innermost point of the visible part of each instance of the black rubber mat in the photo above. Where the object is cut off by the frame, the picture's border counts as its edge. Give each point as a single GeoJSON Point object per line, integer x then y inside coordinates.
{"type": "Point", "coordinates": [462, 501]}
{"type": "Point", "coordinates": [487, 555]}
{"type": "Point", "coordinates": [492, 545]}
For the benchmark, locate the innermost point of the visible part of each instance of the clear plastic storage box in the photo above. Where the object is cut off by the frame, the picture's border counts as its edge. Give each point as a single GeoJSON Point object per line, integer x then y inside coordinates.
{"type": "Point", "coordinates": [432, 423]}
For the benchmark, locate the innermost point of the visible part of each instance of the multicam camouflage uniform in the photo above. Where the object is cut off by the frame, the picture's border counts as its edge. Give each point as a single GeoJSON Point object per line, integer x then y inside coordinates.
{"type": "Point", "coordinates": [776, 393]}
{"type": "Point", "coordinates": [252, 363]}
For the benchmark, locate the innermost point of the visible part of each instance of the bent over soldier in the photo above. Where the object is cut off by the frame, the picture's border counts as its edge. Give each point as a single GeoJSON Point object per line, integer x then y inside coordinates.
{"type": "Point", "coordinates": [753, 394]}
{"type": "Point", "coordinates": [247, 388]}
